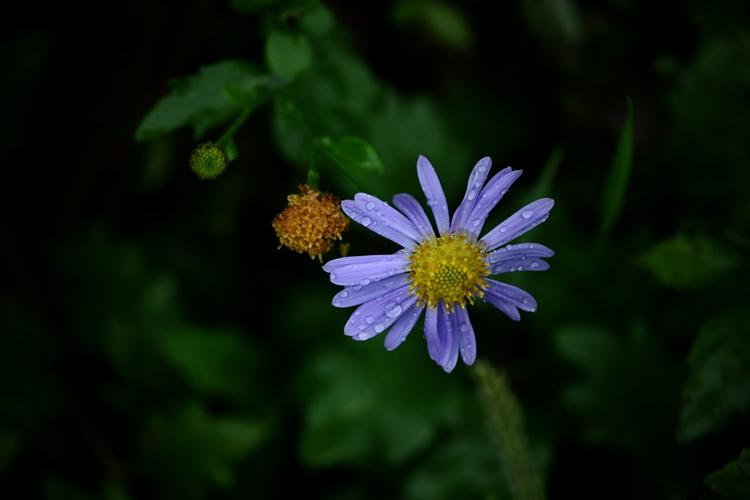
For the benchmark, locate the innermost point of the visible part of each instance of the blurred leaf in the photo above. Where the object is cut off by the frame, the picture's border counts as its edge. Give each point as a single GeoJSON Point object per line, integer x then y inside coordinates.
{"type": "Point", "coordinates": [718, 385]}
{"type": "Point", "coordinates": [203, 100]}
{"type": "Point", "coordinates": [288, 54]}
{"type": "Point", "coordinates": [556, 23]}
{"type": "Point", "coordinates": [194, 448]}
{"type": "Point", "coordinates": [619, 405]}
{"type": "Point", "coordinates": [350, 153]}
{"type": "Point", "coordinates": [543, 186]}
{"type": "Point", "coordinates": [463, 466]}
{"type": "Point", "coordinates": [683, 262]}
{"type": "Point", "coordinates": [617, 180]}
{"type": "Point", "coordinates": [506, 424]}
{"type": "Point", "coordinates": [442, 20]}
{"type": "Point", "coordinates": [733, 481]}
{"type": "Point", "coordinates": [318, 20]}
{"type": "Point", "coordinates": [231, 151]}
{"type": "Point", "coordinates": [368, 402]}
{"type": "Point", "coordinates": [217, 362]}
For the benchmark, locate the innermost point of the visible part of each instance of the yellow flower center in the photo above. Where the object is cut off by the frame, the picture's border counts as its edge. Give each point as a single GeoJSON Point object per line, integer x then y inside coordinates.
{"type": "Point", "coordinates": [450, 268]}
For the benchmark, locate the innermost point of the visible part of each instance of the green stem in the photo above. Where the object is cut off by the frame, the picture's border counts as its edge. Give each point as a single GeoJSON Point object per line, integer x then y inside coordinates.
{"type": "Point", "coordinates": [229, 133]}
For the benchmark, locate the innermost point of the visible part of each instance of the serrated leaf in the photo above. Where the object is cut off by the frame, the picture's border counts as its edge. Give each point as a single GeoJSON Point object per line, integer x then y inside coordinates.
{"type": "Point", "coordinates": [684, 262]}
{"type": "Point", "coordinates": [732, 482]}
{"type": "Point", "coordinates": [617, 179]}
{"type": "Point", "coordinates": [204, 100]}
{"type": "Point", "coordinates": [718, 385]}
{"type": "Point", "coordinates": [288, 54]}
{"type": "Point", "coordinates": [351, 153]}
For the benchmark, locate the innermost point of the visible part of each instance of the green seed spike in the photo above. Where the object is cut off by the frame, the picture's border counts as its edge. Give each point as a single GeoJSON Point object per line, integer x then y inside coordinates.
{"type": "Point", "coordinates": [208, 161]}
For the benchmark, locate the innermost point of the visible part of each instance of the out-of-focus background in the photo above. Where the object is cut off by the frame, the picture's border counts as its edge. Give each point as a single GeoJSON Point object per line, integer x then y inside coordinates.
{"type": "Point", "coordinates": [155, 343]}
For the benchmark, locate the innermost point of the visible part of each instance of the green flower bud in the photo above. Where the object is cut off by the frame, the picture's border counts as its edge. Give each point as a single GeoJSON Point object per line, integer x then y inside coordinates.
{"type": "Point", "coordinates": [208, 161]}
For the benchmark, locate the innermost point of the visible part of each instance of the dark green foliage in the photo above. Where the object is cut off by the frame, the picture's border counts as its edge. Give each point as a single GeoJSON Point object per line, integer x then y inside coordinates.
{"type": "Point", "coordinates": [732, 481]}
{"type": "Point", "coordinates": [156, 344]}
{"type": "Point", "coordinates": [718, 386]}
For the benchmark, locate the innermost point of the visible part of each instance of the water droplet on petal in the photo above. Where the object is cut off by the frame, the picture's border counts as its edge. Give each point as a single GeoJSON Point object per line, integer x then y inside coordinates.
{"type": "Point", "coordinates": [336, 303]}
{"type": "Point", "coordinates": [472, 194]}
{"type": "Point", "coordinates": [392, 310]}
{"type": "Point", "coordinates": [526, 214]}
{"type": "Point", "coordinates": [379, 327]}
{"type": "Point", "coordinates": [362, 326]}
{"type": "Point", "coordinates": [357, 288]}
{"type": "Point", "coordinates": [333, 276]}
{"type": "Point", "coordinates": [365, 282]}
{"type": "Point", "coordinates": [475, 222]}
{"type": "Point", "coordinates": [344, 294]}
{"type": "Point", "coordinates": [464, 327]}
{"type": "Point", "coordinates": [370, 205]}
{"type": "Point", "coordinates": [366, 221]}
{"type": "Point", "coordinates": [370, 320]}
{"type": "Point", "coordinates": [503, 229]}
{"type": "Point", "coordinates": [534, 265]}
{"type": "Point", "coordinates": [380, 213]}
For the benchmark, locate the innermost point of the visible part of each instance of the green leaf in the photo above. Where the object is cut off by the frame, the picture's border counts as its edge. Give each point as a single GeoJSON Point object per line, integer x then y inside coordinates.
{"type": "Point", "coordinates": [617, 180]}
{"type": "Point", "coordinates": [366, 402]}
{"type": "Point", "coordinates": [231, 150]}
{"type": "Point", "coordinates": [288, 54]}
{"type": "Point", "coordinates": [718, 385]}
{"type": "Point", "coordinates": [443, 21]}
{"type": "Point", "coordinates": [351, 153]}
{"type": "Point", "coordinates": [213, 96]}
{"type": "Point", "coordinates": [684, 262]}
{"type": "Point", "coordinates": [733, 480]}
{"type": "Point", "coordinates": [215, 362]}
{"type": "Point", "coordinates": [197, 449]}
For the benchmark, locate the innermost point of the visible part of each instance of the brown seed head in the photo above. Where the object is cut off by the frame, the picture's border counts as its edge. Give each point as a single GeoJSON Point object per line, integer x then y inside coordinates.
{"type": "Point", "coordinates": [311, 222]}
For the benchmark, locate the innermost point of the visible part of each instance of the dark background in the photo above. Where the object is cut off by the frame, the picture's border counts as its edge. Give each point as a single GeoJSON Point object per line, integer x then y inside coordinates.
{"type": "Point", "coordinates": [155, 343]}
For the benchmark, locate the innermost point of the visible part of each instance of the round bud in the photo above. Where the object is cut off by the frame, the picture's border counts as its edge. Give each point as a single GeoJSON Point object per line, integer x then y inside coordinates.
{"type": "Point", "coordinates": [208, 161]}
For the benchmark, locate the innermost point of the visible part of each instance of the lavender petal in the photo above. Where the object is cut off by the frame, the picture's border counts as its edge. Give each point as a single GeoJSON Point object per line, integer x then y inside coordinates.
{"type": "Point", "coordinates": [434, 193]}
{"type": "Point", "coordinates": [511, 294]}
{"type": "Point", "coordinates": [489, 197]}
{"type": "Point", "coordinates": [431, 331]}
{"type": "Point", "coordinates": [503, 305]}
{"type": "Point", "coordinates": [368, 272]}
{"type": "Point", "coordinates": [528, 250]}
{"type": "Point", "coordinates": [474, 186]}
{"type": "Point", "coordinates": [467, 340]}
{"type": "Point", "coordinates": [415, 213]}
{"type": "Point", "coordinates": [358, 294]}
{"type": "Point", "coordinates": [403, 325]}
{"type": "Point", "coordinates": [520, 222]}
{"type": "Point", "coordinates": [373, 317]}
{"type": "Point", "coordinates": [382, 213]}
{"type": "Point", "coordinates": [516, 264]}
{"type": "Point", "coordinates": [363, 217]}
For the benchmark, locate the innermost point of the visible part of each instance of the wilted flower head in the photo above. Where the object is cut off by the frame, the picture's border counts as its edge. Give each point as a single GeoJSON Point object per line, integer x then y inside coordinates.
{"type": "Point", "coordinates": [311, 222]}
{"type": "Point", "coordinates": [439, 273]}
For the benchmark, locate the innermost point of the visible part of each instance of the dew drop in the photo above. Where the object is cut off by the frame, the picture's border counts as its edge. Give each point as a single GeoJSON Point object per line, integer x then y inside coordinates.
{"type": "Point", "coordinates": [526, 214]}
{"type": "Point", "coordinates": [366, 221]}
{"type": "Point", "coordinates": [370, 205]}
{"type": "Point", "coordinates": [365, 282]}
{"type": "Point", "coordinates": [380, 213]}
{"type": "Point", "coordinates": [534, 265]}
{"type": "Point", "coordinates": [475, 222]}
{"type": "Point", "coordinates": [333, 276]}
{"type": "Point", "coordinates": [464, 327]}
{"type": "Point", "coordinates": [379, 327]}
{"type": "Point", "coordinates": [503, 229]}
{"type": "Point", "coordinates": [362, 326]}
{"type": "Point", "coordinates": [344, 294]}
{"type": "Point", "coordinates": [370, 320]}
{"type": "Point", "coordinates": [392, 310]}
{"type": "Point", "coordinates": [358, 288]}
{"type": "Point", "coordinates": [472, 194]}
{"type": "Point", "coordinates": [336, 303]}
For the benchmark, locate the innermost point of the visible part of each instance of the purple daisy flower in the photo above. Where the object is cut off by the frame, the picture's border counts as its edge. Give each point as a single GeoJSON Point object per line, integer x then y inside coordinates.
{"type": "Point", "coordinates": [438, 273]}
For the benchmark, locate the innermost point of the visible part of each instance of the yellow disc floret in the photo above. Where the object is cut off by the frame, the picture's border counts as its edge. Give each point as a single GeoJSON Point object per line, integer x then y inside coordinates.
{"type": "Point", "coordinates": [450, 268]}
